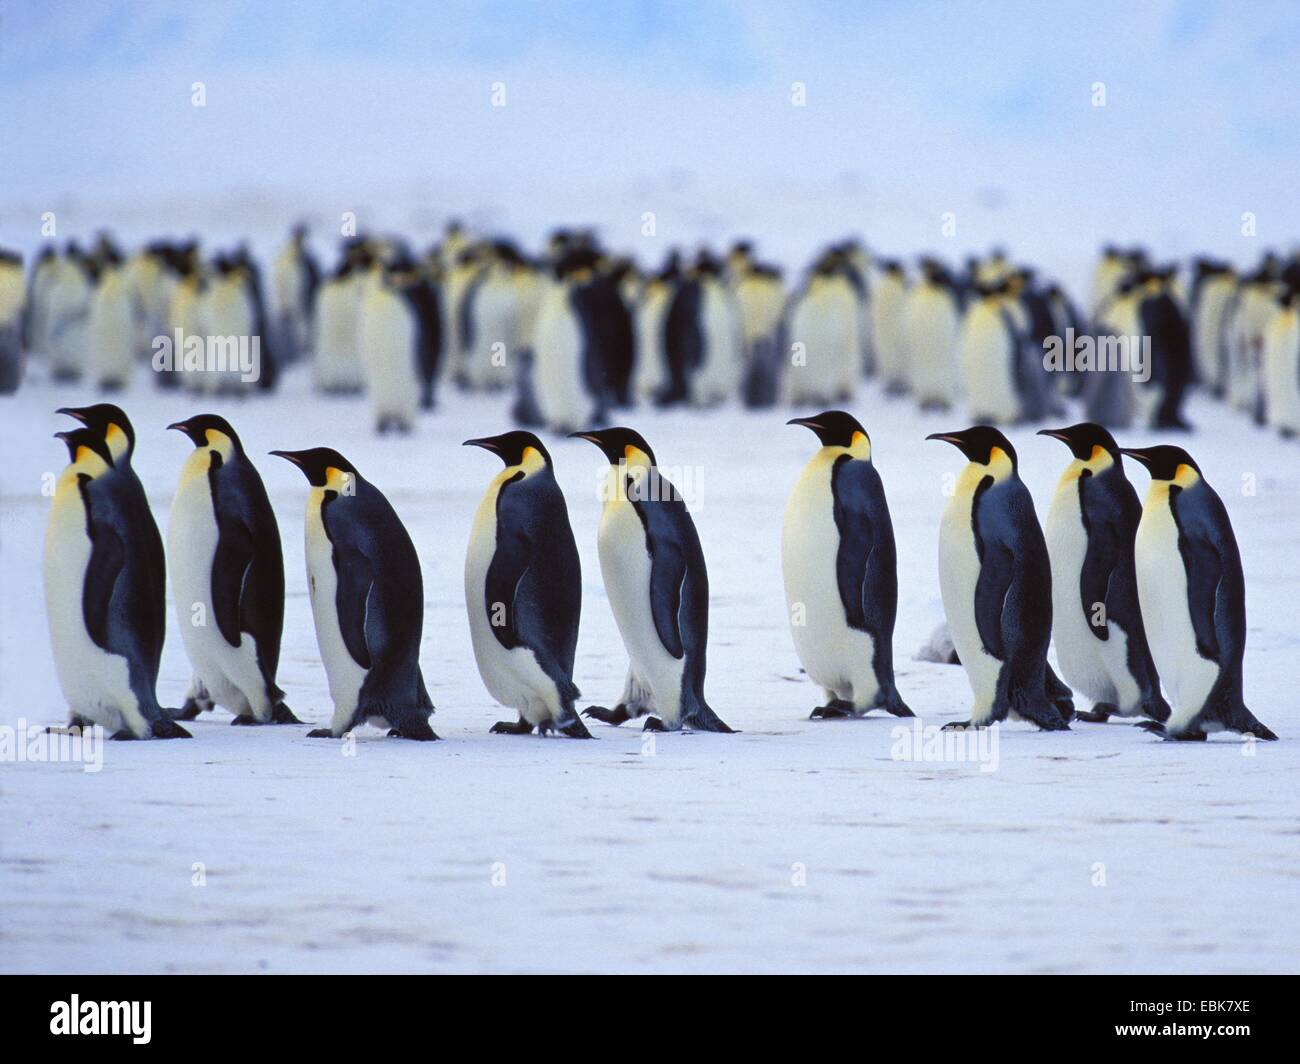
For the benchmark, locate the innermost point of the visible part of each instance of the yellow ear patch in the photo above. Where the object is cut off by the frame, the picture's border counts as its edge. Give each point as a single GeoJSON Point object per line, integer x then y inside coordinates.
{"type": "Point", "coordinates": [1185, 476]}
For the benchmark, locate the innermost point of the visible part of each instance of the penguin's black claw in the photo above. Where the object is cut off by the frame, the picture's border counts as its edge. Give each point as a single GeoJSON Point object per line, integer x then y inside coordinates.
{"type": "Point", "coordinates": [189, 711]}
{"type": "Point", "coordinates": [282, 714]}
{"type": "Point", "coordinates": [419, 731]}
{"type": "Point", "coordinates": [575, 729]}
{"type": "Point", "coordinates": [123, 736]}
{"type": "Point", "coordinates": [1099, 714]}
{"type": "Point", "coordinates": [960, 725]}
{"type": "Point", "coordinates": [830, 712]}
{"type": "Point", "coordinates": [244, 719]}
{"type": "Point", "coordinates": [507, 727]}
{"type": "Point", "coordinates": [654, 724]}
{"type": "Point", "coordinates": [616, 716]}
{"type": "Point", "coordinates": [167, 729]}
{"type": "Point", "coordinates": [320, 733]}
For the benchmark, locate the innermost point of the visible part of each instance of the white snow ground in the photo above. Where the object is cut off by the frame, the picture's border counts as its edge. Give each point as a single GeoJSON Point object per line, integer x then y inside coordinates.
{"type": "Point", "coordinates": [794, 846]}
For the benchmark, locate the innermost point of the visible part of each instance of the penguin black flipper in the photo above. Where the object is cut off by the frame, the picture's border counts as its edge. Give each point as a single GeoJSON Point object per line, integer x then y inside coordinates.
{"type": "Point", "coordinates": [1204, 570]}
{"type": "Point", "coordinates": [230, 565]}
{"type": "Point", "coordinates": [543, 602]}
{"type": "Point", "coordinates": [1103, 524]}
{"type": "Point", "coordinates": [996, 570]}
{"type": "Point", "coordinates": [356, 583]}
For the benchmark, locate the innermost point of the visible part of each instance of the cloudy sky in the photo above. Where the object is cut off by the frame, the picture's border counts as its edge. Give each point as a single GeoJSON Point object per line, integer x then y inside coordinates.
{"type": "Point", "coordinates": [686, 110]}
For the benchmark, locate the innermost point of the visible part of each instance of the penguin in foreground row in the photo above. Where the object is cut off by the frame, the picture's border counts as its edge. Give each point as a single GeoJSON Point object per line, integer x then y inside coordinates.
{"type": "Point", "coordinates": [841, 574]}
{"type": "Point", "coordinates": [99, 598]}
{"type": "Point", "coordinates": [658, 587]}
{"type": "Point", "coordinates": [523, 590]}
{"type": "Point", "coordinates": [223, 546]}
{"type": "Point", "coordinates": [996, 582]}
{"type": "Point", "coordinates": [1191, 584]}
{"type": "Point", "coordinates": [1101, 642]}
{"type": "Point", "coordinates": [367, 598]}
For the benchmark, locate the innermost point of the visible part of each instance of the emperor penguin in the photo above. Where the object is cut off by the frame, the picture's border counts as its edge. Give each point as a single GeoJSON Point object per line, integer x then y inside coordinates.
{"type": "Point", "coordinates": [1216, 286]}
{"type": "Point", "coordinates": [650, 318]}
{"type": "Point", "coordinates": [1110, 270]}
{"type": "Point", "coordinates": [718, 376]}
{"type": "Point", "coordinates": [112, 327]}
{"type": "Point", "coordinates": [492, 338]}
{"type": "Point", "coordinates": [295, 278]}
{"type": "Point", "coordinates": [67, 317]}
{"type": "Point", "coordinates": [1101, 641]}
{"type": "Point", "coordinates": [13, 296]}
{"type": "Point", "coordinates": [223, 548]}
{"type": "Point", "coordinates": [560, 347]}
{"type": "Point", "coordinates": [1162, 319]}
{"type": "Point", "coordinates": [987, 352]}
{"type": "Point", "coordinates": [825, 346]}
{"type": "Point", "coordinates": [1254, 305]}
{"type": "Point", "coordinates": [654, 573]}
{"type": "Point", "coordinates": [36, 316]}
{"type": "Point", "coordinates": [888, 328]}
{"type": "Point", "coordinates": [996, 582]}
{"type": "Point", "coordinates": [1281, 366]}
{"type": "Point", "coordinates": [841, 574]}
{"type": "Point", "coordinates": [523, 590]}
{"type": "Point", "coordinates": [931, 321]}
{"type": "Point", "coordinates": [1189, 576]}
{"type": "Point", "coordinates": [760, 296]}
{"type": "Point", "coordinates": [228, 311]}
{"type": "Point", "coordinates": [388, 337]}
{"type": "Point", "coordinates": [367, 598]}
{"type": "Point", "coordinates": [99, 598]}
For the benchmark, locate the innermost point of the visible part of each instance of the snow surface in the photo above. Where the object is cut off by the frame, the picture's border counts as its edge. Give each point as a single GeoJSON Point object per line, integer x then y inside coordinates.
{"type": "Point", "coordinates": [793, 846]}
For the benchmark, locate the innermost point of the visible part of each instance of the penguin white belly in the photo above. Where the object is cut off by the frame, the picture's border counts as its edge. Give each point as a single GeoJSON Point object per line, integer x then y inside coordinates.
{"type": "Point", "coordinates": [835, 656]}
{"type": "Point", "coordinates": [69, 321]}
{"type": "Point", "coordinates": [1078, 650]}
{"type": "Point", "coordinates": [1162, 591]}
{"type": "Point", "coordinates": [719, 377]}
{"type": "Point", "coordinates": [337, 366]}
{"type": "Point", "coordinates": [230, 674]}
{"type": "Point", "coordinates": [826, 328]}
{"type": "Point", "coordinates": [512, 676]}
{"type": "Point", "coordinates": [649, 372]}
{"type": "Point", "coordinates": [112, 331]}
{"type": "Point", "coordinates": [1282, 371]}
{"type": "Point", "coordinates": [227, 318]}
{"type": "Point", "coordinates": [344, 675]}
{"type": "Point", "coordinates": [558, 380]}
{"type": "Point", "coordinates": [625, 569]}
{"type": "Point", "coordinates": [887, 332]}
{"type": "Point", "coordinates": [931, 345]}
{"type": "Point", "coordinates": [388, 345]}
{"type": "Point", "coordinates": [959, 570]}
{"type": "Point", "coordinates": [985, 357]}
{"type": "Point", "coordinates": [95, 684]}
{"type": "Point", "coordinates": [495, 316]}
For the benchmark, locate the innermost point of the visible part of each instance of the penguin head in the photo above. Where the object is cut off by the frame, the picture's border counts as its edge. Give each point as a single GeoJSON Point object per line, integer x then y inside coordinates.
{"type": "Point", "coordinates": [513, 448]}
{"type": "Point", "coordinates": [209, 430]}
{"type": "Point", "coordinates": [620, 445]}
{"type": "Point", "coordinates": [836, 428]}
{"type": "Point", "coordinates": [1166, 462]}
{"type": "Point", "coordinates": [109, 422]}
{"type": "Point", "coordinates": [983, 445]}
{"type": "Point", "coordinates": [87, 451]}
{"type": "Point", "coordinates": [324, 467]}
{"type": "Point", "coordinates": [1088, 442]}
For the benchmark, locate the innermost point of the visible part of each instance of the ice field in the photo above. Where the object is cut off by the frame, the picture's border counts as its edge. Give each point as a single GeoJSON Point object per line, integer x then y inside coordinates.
{"type": "Point", "coordinates": [796, 845]}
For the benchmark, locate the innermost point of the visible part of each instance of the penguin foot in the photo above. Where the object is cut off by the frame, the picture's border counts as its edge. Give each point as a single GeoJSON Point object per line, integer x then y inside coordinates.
{"type": "Point", "coordinates": [654, 724]}
{"type": "Point", "coordinates": [1099, 714]}
{"type": "Point", "coordinates": [833, 710]}
{"type": "Point", "coordinates": [1190, 735]}
{"type": "Point", "coordinates": [321, 733]}
{"type": "Point", "coordinates": [282, 714]}
{"type": "Point", "coordinates": [244, 719]}
{"type": "Point", "coordinates": [961, 725]}
{"type": "Point", "coordinates": [166, 728]}
{"type": "Point", "coordinates": [616, 716]}
{"type": "Point", "coordinates": [505, 727]}
{"type": "Point", "coordinates": [419, 731]}
{"type": "Point", "coordinates": [1155, 708]}
{"type": "Point", "coordinates": [575, 729]}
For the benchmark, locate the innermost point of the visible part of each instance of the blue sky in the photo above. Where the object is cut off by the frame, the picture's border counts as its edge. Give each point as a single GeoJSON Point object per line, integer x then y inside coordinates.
{"type": "Point", "coordinates": [613, 109]}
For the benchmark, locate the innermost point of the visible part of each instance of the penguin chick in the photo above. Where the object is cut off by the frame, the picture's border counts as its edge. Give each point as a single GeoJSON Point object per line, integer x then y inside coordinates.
{"type": "Point", "coordinates": [840, 570]}
{"type": "Point", "coordinates": [523, 590]}
{"type": "Point", "coordinates": [1189, 575]}
{"type": "Point", "coordinates": [367, 598]}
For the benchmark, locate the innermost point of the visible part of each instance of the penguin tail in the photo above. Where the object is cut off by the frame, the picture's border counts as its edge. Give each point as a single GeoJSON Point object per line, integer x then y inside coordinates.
{"type": "Point", "coordinates": [702, 718]}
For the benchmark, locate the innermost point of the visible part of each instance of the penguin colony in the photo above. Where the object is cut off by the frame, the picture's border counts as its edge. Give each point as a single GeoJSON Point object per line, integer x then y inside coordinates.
{"type": "Point", "coordinates": [1006, 587]}
{"type": "Point", "coordinates": [577, 333]}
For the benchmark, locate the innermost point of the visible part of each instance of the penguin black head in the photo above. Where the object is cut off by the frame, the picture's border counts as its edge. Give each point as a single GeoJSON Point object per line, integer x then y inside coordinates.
{"type": "Point", "coordinates": [511, 446]}
{"type": "Point", "coordinates": [76, 439]}
{"type": "Point", "coordinates": [317, 462]}
{"type": "Point", "coordinates": [1083, 438]}
{"type": "Point", "coordinates": [109, 421]}
{"type": "Point", "coordinates": [196, 428]}
{"type": "Point", "coordinates": [616, 444]}
{"type": "Point", "coordinates": [979, 443]}
{"type": "Point", "coordinates": [1164, 461]}
{"type": "Point", "coordinates": [834, 428]}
